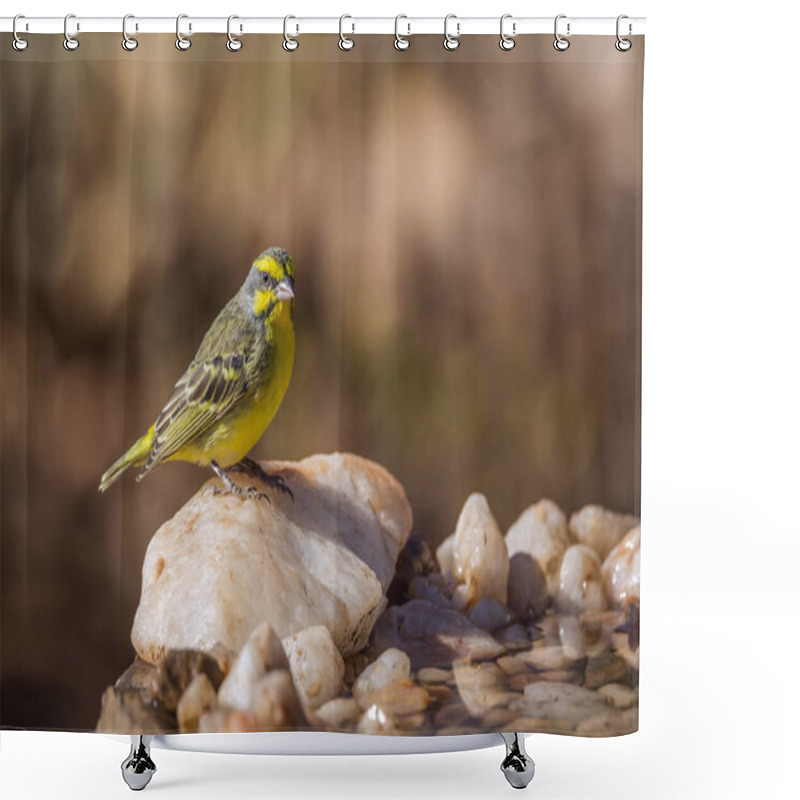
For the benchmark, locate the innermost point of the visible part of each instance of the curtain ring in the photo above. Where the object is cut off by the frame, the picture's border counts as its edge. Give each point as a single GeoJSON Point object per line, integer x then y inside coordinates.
{"type": "Point", "coordinates": [234, 44]}
{"type": "Point", "coordinates": [345, 43]}
{"type": "Point", "coordinates": [290, 43]}
{"type": "Point", "coordinates": [401, 42]}
{"type": "Point", "coordinates": [18, 43]}
{"type": "Point", "coordinates": [560, 43]}
{"type": "Point", "coordinates": [623, 45]}
{"type": "Point", "coordinates": [507, 42]}
{"type": "Point", "coordinates": [451, 42]}
{"type": "Point", "coordinates": [70, 42]}
{"type": "Point", "coordinates": [129, 43]}
{"type": "Point", "coordinates": [181, 42]}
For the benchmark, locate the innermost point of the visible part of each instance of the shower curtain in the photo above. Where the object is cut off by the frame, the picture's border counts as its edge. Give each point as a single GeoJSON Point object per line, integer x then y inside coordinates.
{"type": "Point", "coordinates": [419, 271]}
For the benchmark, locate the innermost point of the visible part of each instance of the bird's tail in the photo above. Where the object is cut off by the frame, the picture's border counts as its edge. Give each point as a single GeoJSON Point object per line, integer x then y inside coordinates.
{"type": "Point", "coordinates": [136, 455]}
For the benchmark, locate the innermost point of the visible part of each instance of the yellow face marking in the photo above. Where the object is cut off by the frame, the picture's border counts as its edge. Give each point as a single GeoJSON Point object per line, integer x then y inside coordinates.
{"type": "Point", "coordinates": [268, 264]}
{"type": "Point", "coordinates": [264, 299]}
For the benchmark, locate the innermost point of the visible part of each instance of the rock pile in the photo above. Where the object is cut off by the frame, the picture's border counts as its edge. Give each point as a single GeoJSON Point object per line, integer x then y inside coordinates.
{"type": "Point", "coordinates": [322, 614]}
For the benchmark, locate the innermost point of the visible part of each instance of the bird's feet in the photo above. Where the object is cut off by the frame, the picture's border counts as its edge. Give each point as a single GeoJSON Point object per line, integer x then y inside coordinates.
{"type": "Point", "coordinates": [248, 492]}
{"type": "Point", "coordinates": [256, 470]}
{"type": "Point", "coordinates": [245, 492]}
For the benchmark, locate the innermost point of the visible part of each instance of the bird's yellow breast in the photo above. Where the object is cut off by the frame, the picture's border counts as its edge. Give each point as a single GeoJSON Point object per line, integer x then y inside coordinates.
{"type": "Point", "coordinates": [235, 434]}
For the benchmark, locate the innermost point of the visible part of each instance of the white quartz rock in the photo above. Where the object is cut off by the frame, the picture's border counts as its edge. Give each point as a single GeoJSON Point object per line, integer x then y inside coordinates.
{"type": "Point", "coordinates": [621, 570]}
{"type": "Point", "coordinates": [316, 665]}
{"type": "Point", "coordinates": [581, 586]}
{"type": "Point", "coordinates": [222, 564]}
{"type": "Point", "coordinates": [444, 555]}
{"type": "Point", "coordinates": [480, 555]}
{"type": "Point", "coordinates": [599, 528]}
{"type": "Point", "coordinates": [262, 653]}
{"type": "Point", "coordinates": [392, 665]}
{"type": "Point", "coordinates": [541, 532]}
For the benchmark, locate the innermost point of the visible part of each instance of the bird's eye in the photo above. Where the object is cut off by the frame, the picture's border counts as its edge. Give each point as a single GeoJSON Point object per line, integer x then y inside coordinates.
{"type": "Point", "coordinates": [265, 276]}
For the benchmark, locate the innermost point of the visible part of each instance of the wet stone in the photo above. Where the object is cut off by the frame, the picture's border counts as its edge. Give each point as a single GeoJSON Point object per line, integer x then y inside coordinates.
{"type": "Point", "coordinates": [512, 665]}
{"type": "Point", "coordinates": [392, 665]}
{"type": "Point", "coordinates": [547, 658]}
{"type": "Point", "coordinates": [397, 699]}
{"type": "Point", "coordinates": [619, 695]}
{"type": "Point", "coordinates": [514, 637]}
{"type": "Point", "coordinates": [139, 676]}
{"type": "Point", "coordinates": [608, 668]}
{"type": "Point", "coordinates": [342, 712]}
{"type": "Point", "coordinates": [561, 702]}
{"type": "Point", "coordinates": [198, 698]}
{"type": "Point", "coordinates": [127, 710]}
{"type": "Point", "coordinates": [434, 675]}
{"type": "Point", "coordinates": [481, 686]}
{"type": "Point", "coordinates": [178, 670]}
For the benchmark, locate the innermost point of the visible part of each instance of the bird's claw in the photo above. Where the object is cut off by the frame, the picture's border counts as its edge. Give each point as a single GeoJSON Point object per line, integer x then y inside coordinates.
{"type": "Point", "coordinates": [245, 493]}
{"type": "Point", "coordinates": [277, 482]}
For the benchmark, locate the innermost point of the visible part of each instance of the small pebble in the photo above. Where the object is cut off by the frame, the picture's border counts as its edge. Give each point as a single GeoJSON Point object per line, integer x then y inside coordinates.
{"type": "Point", "coordinates": [619, 695]}
{"type": "Point", "coordinates": [489, 615]}
{"type": "Point", "coordinates": [541, 532]}
{"type": "Point", "coordinates": [580, 583]}
{"type": "Point", "coordinates": [316, 665]}
{"type": "Point", "coordinates": [512, 665]}
{"type": "Point", "coordinates": [620, 571]}
{"type": "Point", "coordinates": [600, 528]}
{"type": "Point", "coordinates": [480, 555]}
{"type": "Point", "coordinates": [375, 720]}
{"type": "Point", "coordinates": [392, 665]}
{"type": "Point", "coordinates": [398, 698]}
{"type": "Point", "coordinates": [434, 675]}
{"type": "Point", "coordinates": [481, 686]}
{"type": "Point", "coordinates": [607, 668]}
{"type": "Point", "coordinates": [262, 652]}
{"type": "Point", "coordinates": [198, 698]}
{"type": "Point", "coordinates": [341, 712]}
{"type": "Point", "coordinates": [547, 658]}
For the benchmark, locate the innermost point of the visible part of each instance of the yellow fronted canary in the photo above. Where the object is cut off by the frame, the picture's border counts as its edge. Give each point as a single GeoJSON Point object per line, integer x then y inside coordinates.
{"type": "Point", "coordinates": [234, 386]}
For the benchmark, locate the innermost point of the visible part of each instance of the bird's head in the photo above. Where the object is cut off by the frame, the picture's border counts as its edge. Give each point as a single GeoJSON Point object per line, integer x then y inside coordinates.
{"type": "Point", "coordinates": [270, 283]}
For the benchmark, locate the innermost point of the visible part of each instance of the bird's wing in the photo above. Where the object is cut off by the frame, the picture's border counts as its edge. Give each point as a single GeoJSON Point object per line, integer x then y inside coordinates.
{"type": "Point", "coordinates": [214, 382]}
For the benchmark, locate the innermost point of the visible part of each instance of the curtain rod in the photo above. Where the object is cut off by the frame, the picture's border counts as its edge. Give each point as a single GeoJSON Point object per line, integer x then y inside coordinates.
{"type": "Point", "coordinates": [297, 26]}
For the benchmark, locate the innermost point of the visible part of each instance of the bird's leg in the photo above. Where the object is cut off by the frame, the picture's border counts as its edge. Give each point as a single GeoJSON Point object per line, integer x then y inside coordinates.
{"type": "Point", "coordinates": [255, 469]}
{"type": "Point", "coordinates": [232, 488]}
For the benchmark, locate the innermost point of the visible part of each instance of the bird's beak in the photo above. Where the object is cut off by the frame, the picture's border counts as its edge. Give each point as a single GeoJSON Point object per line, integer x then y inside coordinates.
{"type": "Point", "coordinates": [285, 289]}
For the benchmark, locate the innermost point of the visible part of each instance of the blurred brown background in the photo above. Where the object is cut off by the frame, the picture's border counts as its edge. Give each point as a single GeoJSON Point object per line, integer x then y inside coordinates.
{"type": "Point", "coordinates": [465, 228]}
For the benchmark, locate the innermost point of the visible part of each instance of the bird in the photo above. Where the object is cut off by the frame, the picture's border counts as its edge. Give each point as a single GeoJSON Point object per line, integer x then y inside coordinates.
{"type": "Point", "coordinates": [233, 387]}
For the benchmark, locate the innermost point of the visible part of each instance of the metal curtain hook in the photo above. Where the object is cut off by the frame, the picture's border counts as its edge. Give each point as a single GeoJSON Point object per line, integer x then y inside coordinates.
{"type": "Point", "coordinates": [345, 43]}
{"type": "Point", "coordinates": [18, 43]}
{"type": "Point", "coordinates": [129, 43]}
{"type": "Point", "coordinates": [401, 42]}
{"type": "Point", "coordinates": [507, 42]}
{"type": "Point", "coordinates": [290, 44]}
{"type": "Point", "coordinates": [70, 42]}
{"type": "Point", "coordinates": [560, 43]}
{"type": "Point", "coordinates": [451, 42]}
{"type": "Point", "coordinates": [234, 44]}
{"type": "Point", "coordinates": [181, 42]}
{"type": "Point", "coordinates": [623, 45]}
